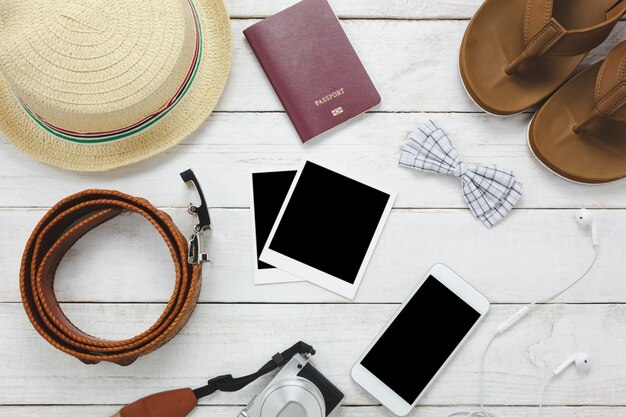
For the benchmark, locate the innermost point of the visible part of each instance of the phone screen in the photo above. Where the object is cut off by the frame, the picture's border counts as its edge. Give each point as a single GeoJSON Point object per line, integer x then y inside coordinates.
{"type": "Point", "coordinates": [420, 340]}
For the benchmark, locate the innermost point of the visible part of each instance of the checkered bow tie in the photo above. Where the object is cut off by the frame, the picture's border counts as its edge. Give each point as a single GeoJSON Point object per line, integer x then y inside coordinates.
{"type": "Point", "coordinates": [489, 192]}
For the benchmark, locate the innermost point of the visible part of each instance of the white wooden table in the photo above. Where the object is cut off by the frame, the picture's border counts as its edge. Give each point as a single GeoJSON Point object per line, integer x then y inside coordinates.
{"type": "Point", "coordinates": [115, 281]}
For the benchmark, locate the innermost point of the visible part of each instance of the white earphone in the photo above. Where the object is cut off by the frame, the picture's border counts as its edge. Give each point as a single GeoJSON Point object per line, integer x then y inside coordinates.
{"type": "Point", "coordinates": [584, 218]}
{"type": "Point", "coordinates": [581, 360]}
{"type": "Point", "coordinates": [583, 364]}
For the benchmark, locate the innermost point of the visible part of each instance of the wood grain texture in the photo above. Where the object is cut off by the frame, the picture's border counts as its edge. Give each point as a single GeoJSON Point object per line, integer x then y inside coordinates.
{"type": "Point", "coordinates": [412, 63]}
{"type": "Point", "coordinates": [410, 48]}
{"type": "Point", "coordinates": [370, 411]}
{"type": "Point", "coordinates": [229, 146]}
{"type": "Point", "coordinates": [126, 261]}
{"type": "Point", "coordinates": [237, 339]}
{"type": "Point", "coordinates": [368, 9]}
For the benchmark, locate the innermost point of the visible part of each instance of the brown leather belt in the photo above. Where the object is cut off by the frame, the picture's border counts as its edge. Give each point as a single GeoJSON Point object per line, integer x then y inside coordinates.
{"type": "Point", "coordinates": [55, 234]}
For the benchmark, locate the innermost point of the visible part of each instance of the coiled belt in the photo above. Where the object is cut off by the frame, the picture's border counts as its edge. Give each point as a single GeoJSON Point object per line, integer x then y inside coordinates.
{"type": "Point", "coordinates": [55, 234]}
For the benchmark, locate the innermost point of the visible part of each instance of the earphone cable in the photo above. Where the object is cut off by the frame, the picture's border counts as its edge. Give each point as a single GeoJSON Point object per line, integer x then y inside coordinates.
{"type": "Point", "coordinates": [573, 283]}
{"type": "Point", "coordinates": [544, 387]}
{"type": "Point", "coordinates": [481, 381]}
{"type": "Point", "coordinates": [482, 412]}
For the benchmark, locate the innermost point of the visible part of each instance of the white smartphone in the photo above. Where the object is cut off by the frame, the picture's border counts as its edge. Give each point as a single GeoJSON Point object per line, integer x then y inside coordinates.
{"type": "Point", "coordinates": [420, 339]}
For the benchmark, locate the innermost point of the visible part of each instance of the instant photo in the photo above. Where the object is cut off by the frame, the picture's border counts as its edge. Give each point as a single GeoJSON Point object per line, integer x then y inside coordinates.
{"type": "Point", "coordinates": [269, 189]}
{"type": "Point", "coordinates": [327, 229]}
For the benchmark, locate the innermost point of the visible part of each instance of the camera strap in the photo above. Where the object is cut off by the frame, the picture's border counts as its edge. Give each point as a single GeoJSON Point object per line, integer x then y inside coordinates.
{"type": "Point", "coordinates": [180, 402]}
{"type": "Point", "coordinates": [227, 383]}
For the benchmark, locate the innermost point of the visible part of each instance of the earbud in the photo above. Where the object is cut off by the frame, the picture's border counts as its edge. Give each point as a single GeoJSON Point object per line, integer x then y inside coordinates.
{"type": "Point", "coordinates": [585, 218]}
{"type": "Point", "coordinates": [582, 361]}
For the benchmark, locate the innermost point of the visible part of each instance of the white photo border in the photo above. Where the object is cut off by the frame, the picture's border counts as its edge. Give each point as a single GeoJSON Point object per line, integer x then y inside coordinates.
{"type": "Point", "coordinates": [311, 274]}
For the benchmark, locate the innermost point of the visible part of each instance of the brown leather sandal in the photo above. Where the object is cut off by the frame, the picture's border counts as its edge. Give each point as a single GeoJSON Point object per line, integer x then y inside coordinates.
{"type": "Point", "coordinates": [515, 53]}
{"type": "Point", "coordinates": [580, 133]}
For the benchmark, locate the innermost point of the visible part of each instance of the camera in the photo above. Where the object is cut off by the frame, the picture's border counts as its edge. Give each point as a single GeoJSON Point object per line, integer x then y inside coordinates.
{"type": "Point", "coordinates": [298, 390]}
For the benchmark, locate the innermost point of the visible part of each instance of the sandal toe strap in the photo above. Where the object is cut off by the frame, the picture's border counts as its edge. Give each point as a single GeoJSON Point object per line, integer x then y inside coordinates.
{"type": "Point", "coordinates": [545, 36]}
{"type": "Point", "coordinates": [610, 91]}
{"type": "Point", "coordinates": [610, 95]}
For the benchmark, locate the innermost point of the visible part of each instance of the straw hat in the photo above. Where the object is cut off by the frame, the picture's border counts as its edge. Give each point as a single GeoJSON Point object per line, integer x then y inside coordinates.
{"type": "Point", "coordinates": [91, 85]}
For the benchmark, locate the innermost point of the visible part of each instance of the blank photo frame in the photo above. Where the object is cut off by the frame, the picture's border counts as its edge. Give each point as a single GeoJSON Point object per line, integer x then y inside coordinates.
{"type": "Point", "coordinates": [327, 229]}
{"type": "Point", "coordinates": [268, 191]}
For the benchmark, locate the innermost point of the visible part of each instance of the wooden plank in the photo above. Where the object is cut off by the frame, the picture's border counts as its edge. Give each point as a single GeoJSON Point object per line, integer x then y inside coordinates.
{"type": "Point", "coordinates": [368, 9]}
{"type": "Point", "coordinates": [399, 55]}
{"type": "Point", "coordinates": [126, 260]}
{"type": "Point", "coordinates": [216, 411]}
{"type": "Point", "coordinates": [229, 146]}
{"type": "Point", "coordinates": [413, 64]}
{"type": "Point", "coordinates": [237, 339]}
{"type": "Point", "coordinates": [139, 252]}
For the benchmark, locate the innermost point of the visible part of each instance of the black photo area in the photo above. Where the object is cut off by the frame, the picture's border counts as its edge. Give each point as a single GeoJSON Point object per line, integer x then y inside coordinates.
{"type": "Point", "coordinates": [420, 340]}
{"type": "Point", "coordinates": [330, 222]}
{"type": "Point", "coordinates": [269, 190]}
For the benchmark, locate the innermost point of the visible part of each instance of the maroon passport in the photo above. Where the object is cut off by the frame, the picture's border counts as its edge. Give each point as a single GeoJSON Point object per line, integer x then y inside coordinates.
{"type": "Point", "coordinates": [313, 67]}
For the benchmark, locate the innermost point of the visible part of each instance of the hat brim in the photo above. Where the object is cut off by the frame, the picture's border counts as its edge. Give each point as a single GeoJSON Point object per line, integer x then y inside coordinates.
{"type": "Point", "coordinates": [185, 118]}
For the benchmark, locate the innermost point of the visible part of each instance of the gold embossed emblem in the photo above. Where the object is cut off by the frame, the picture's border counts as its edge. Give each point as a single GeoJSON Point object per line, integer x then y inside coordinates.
{"type": "Point", "coordinates": [337, 111]}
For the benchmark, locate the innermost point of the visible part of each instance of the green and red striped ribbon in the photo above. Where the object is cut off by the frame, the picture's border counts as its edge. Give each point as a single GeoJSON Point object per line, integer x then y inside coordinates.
{"type": "Point", "coordinates": [140, 126]}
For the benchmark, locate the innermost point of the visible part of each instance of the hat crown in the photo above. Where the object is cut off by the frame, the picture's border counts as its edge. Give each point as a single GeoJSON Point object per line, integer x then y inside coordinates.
{"type": "Point", "coordinates": [5, 9]}
{"type": "Point", "coordinates": [79, 11]}
{"type": "Point", "coordinates": [8, 8]}
{"type": "Point", "coordinates": [84, 18]}
{"type": "Point", "coordinates": [96, 65]}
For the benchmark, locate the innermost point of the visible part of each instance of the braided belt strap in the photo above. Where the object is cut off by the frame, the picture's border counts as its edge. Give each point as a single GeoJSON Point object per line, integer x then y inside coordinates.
{"type": "Point", "coordinates": [55, 234]}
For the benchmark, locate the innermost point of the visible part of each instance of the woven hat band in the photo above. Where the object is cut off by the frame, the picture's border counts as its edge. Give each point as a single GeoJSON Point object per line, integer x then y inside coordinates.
{"type": "Point", "coordinates": [118, 67]}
